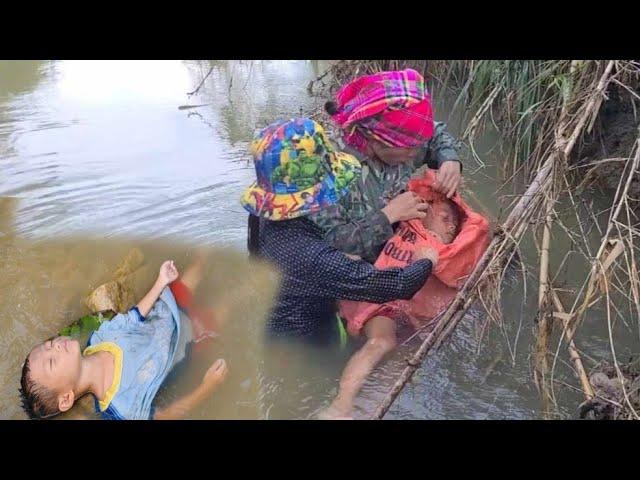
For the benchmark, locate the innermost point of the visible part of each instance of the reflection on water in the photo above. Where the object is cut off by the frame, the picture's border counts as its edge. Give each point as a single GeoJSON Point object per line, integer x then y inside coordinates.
{"type": "Point", "coordinates": [103, 150]}
{"type": "Point", "coordinates": [103, 147]}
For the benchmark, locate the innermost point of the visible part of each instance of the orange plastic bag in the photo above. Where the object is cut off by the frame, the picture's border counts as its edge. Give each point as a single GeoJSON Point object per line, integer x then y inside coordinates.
{"type": "Point", "coordinates": [457, 261]}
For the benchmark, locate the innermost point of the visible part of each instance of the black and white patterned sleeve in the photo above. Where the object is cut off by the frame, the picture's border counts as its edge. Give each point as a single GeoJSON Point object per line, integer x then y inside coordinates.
{"type": "Point", "coordinates": [346, 279]}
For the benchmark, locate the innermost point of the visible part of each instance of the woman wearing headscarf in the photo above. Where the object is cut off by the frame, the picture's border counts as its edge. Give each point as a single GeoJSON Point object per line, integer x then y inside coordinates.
{"type": "Point", "coordinates": [386, 121]}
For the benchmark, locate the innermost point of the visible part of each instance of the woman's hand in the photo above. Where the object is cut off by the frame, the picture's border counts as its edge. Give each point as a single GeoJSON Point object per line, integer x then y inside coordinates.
{"type": "Point", "coordinates": [448, 178]}
{"type": "Point", "coordinates": [405, 206]}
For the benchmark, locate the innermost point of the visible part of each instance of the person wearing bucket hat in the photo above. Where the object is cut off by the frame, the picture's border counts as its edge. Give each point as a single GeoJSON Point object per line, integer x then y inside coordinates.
{"type": "Point", "coordinates": [386, 121]}
{"type": "Point", "coordinates": [298, 171]}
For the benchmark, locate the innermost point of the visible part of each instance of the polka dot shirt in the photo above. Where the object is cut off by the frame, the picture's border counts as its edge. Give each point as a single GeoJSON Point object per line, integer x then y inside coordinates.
{"type": "Point", "coordinates": [315, 275]}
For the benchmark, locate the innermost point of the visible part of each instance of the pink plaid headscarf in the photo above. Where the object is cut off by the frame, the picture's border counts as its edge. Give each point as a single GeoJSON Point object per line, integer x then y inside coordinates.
{"type": "Point", "coordinates": [392, 107]}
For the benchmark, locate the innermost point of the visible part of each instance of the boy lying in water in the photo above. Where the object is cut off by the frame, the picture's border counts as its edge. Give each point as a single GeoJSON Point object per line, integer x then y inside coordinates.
{"type": "Point", "coordinates": [459, 236]}
{"type": "Point", "coordinates": [127, 358]}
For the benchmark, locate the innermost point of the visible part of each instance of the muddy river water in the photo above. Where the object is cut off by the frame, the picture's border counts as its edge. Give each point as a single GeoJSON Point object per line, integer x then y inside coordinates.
{"type": "Point", "coordinates": [97, 157]}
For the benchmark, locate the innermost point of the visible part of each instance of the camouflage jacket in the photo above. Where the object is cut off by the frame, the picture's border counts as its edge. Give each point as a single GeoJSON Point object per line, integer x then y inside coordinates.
{"type": "Point", "coordinates": [356, 224]}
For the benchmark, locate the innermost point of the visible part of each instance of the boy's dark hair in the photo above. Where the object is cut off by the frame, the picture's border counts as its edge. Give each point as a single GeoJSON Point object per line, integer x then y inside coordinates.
{"type": "Point", "coordinates": [38, 401]}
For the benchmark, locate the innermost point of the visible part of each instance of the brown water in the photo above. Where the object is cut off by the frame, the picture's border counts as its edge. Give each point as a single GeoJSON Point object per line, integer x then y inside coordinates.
{"type": "Point", "coordinates": [99, 158]}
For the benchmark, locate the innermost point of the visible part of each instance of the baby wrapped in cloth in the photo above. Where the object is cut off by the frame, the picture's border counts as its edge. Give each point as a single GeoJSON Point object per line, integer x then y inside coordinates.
{"type": "Point", "coordinates": [460, 236]}
{"type": "Point", "coordinates": [457, 259]}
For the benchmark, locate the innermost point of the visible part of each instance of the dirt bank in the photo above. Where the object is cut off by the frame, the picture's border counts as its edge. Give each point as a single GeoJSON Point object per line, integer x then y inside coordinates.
{"type": "Point", "coordinates": [612, 141]}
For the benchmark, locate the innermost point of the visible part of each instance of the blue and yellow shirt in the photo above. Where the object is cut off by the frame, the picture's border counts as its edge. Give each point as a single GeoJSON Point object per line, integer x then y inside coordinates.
{"type": "Point", "coordinates": [145, 351]}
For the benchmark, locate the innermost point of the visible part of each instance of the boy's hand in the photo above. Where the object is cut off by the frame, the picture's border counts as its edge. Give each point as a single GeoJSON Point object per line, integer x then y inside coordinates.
{"type": "Point", "coordinates": [168, 272]}
{"type": "Point", "coordinates": [181, 407]}
{"type": "Point", "coordinates": [215, 375]}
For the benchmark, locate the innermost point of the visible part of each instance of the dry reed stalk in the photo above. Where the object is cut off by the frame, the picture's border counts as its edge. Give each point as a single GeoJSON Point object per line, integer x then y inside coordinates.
{"type": "Point", "coordinates": [545, 321]}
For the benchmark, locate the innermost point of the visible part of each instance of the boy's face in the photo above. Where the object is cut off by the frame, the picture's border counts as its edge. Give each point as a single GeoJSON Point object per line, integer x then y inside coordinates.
{"type": "Point", "coordinates": [55, 364]}
{"type": "Point", "coordinates": [442, 219]}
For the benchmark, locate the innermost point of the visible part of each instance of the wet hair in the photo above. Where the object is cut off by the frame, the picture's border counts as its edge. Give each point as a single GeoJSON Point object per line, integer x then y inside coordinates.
{"type": "Point", "coordinates": [38, 401]}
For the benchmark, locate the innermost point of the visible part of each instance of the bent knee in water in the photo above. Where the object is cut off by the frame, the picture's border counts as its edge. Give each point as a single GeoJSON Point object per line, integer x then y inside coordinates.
{"type": "Point", "coordinates": [384, 344]}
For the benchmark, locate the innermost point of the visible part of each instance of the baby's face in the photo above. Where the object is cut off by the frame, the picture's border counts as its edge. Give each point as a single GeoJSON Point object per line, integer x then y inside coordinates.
{"type": "Point", "coordinates": [55, 364]}
{"type": "Point", "coordinates": [442, 219]}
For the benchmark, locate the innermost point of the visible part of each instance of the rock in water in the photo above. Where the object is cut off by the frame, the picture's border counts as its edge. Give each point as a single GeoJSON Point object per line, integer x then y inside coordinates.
{"type": "Point", "coordinates": [111, 296]}
{"type": "Point", "coordinates": [104, 298]}
{"type": "Point", "coordinates": [117, 295]}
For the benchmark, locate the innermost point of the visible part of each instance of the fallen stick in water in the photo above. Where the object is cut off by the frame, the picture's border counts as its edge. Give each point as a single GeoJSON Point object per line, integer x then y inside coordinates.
{"type": "Point", "coordinates": [511, 231]}
{"type": "Point", "coordinates": [187, 107]}
{"type": "Point", "coordinates": [573, 350]}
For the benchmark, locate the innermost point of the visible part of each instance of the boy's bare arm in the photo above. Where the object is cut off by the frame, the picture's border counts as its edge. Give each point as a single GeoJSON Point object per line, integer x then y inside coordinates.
{"type": "Point", "coordinates": [168, 273]}
{"type": "Point", "coordinates": [182, 406]}
{"type": "Point", "coordinates": [179, 409]}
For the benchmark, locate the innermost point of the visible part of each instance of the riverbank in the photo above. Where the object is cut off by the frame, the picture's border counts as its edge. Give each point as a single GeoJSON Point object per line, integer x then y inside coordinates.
{"type": "Point", "coordinates": [578, 119]}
